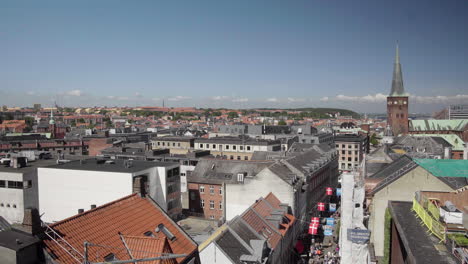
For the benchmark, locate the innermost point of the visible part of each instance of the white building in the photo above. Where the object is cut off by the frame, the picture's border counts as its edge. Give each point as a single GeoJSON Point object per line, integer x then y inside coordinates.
{"type": "Point", "coordinates": [18, 189]}
{"type": "Point", "coordinates": [68, 187]}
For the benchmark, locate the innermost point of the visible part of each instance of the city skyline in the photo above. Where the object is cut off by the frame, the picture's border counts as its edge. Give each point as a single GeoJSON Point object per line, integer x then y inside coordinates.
{"type": "Point", "coordinates": [234, 55]}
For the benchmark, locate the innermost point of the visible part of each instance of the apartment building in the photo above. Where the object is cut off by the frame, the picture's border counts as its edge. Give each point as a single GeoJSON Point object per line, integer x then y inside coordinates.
{"type": "Point", "coordinates": [351, 149]}
{"type": "Point", "coordinates": [236, 148]}
{"type": "Point", "coordinates": [176, 145]}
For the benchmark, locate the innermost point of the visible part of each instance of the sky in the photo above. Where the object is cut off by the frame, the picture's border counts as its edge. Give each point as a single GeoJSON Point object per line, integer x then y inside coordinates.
{"type": "Point", "coordinates": [235, 54]}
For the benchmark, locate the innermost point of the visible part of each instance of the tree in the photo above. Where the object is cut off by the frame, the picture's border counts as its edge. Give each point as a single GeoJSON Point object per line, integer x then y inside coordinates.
{"type": "Point", "coordinates": [233, 115]}
{"type": "Point", "coordinates": [281, 123]}
{"type": "Point", "coordinates": [81, 120]}
{"type": "Point", "coordinates": [373, 140]}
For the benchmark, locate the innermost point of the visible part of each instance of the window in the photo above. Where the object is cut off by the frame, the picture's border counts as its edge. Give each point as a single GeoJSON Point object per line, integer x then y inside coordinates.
{"type": "Point", "coordinates": [246, 158]}
{"type": "Point", "coordinates": [343, 165]}
{"type": "Point", "coordinates": [15, 184]}
{"type": "Point", "coordinates": [110, 257]}
{"type": "Point", "coordinates": [202, 189]}
{"type": "Point", "coordinates": [350, 152]}
{"type": "Point", "coordinates": [350, 146]}
{"type": "Point", "coordinates": [234, 147]}
{"type": "Point", "coordinates": [355, 159]}
{"type": "Point", "coordinates": [220, 190]}
{"type": "Point", "coordinates": [148, 233]}
{"type": "Point", "coordinates": [231, 157]}
{"type": "Point", "coordinates": [343, 152]}
{"type": "Point", "coordinates": [349, 159]}
{"type": "Point", "coordinates": [173, 144]}
{"type": "Point", "coordinates": [178, 144]}
{"type": "Point", "coordinates": [343, 146]}
{"type": "Point", "coordinates": [220, 205]}
{"type": "Point", "coordinates": [349, 165]}
{"type": "Point", "coordinates": [212, 217]}
{"type": "Point", "coordinates": [248, 148]}
{"type": "Point", "coordinates": [238, 158]}
{"type": "Point", "coordinates": [241, 147]}
{"type": "Point", "coordinates": [211, 204]}
{"type": "Point", "coordinates": [227, 147]}
{"type": "Point", "coordinates": [159, 143]}
{"type": "Point", "coordinates": [164, 144]}
{"type": "Point", "coordinates": [2, 184]}
{"type": "Point", "coordinates": [201, 145]}
{"type": "Point", "coordinates": [337, 146]}
{"type": "Point", "coordinates": [211, 189]}
{"type": "Point", "coordinates": [202, 203]}
{"type": "Point", "coordinates": [214, 146]}
{"type": "Point", "coordinates": [355, 152]}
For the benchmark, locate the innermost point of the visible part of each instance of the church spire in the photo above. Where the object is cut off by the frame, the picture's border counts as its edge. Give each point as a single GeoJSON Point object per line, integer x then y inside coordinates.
{"type": "Point", "coordinates": [397, 81]}
{"type": "Point", "coordinates": [51, 121]}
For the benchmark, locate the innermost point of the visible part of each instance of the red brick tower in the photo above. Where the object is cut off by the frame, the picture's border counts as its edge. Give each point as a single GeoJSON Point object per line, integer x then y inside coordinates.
{"type": "Point", "coordinates": [397, 101]}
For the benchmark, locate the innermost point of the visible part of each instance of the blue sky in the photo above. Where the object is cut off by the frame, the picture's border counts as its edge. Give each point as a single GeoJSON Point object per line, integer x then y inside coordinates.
{"type": "Point", "coordinates": [271, 53]}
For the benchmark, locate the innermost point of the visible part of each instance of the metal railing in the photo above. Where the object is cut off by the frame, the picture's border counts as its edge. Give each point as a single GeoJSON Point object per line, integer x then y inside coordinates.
{"type": "Point", "coordinates": [434, 226]}
{"type": "Point", "coordinates": [62, 243]}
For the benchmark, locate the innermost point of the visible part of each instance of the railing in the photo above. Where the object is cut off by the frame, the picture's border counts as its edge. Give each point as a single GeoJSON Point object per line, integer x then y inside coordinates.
{"type": "Point", "coordinates": [434, 226]}
{"type": "Point", "coordinates": [433, 210]}
{"type": "Point", "coordinates": [62, 243]}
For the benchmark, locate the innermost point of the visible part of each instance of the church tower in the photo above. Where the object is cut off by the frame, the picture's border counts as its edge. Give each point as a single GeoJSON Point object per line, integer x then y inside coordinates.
{"type": "Point", "coordinates": [397, 101]}
{"type": "Point", "coordinates": [52, 124]}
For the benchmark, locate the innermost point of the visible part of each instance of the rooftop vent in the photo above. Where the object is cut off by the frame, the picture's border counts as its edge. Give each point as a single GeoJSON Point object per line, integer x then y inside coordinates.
{"type": "Point", "coordinates": [162, 228]}
{"type": "Point", "coordinates": [110, 162]}
{"type": "Point", "coordinates": [80, 211]}
{"type": "Point", "coordinates": [93, 206]}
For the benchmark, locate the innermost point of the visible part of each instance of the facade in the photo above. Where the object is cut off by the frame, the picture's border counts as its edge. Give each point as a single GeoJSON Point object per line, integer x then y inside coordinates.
{"type": "Point", "coordinates": [55, 146]}
{"type": "Point", "coordinates": [207, 200]}
{"type": "Point", "coordinates": [351, 150]}
{"type": "Point", "coordinates": [235, 148]}
{"type": "Point", "coordinates": [458, 112]}
{"type": "Point", "coordinates": [127, 228]}
{"type": "Point", "coordinates": [80, 184]}
{"type": "Point", "coordinates": [12, 126]}
{"type": "Point", "coordinates": [397, 101]}
{"type": "Point", "coordinates": [401, 179]}
{"type": "Point", "coordinates": [176, 145]}
{"type": "Point", "coordinates": [436, 146]}
{"type": "Point", "coordinates": [18, 189]}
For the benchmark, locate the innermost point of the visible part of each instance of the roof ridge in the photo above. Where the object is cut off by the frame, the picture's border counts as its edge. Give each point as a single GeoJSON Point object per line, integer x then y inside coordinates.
{"type": "Point", "coordinates": [94, 210]}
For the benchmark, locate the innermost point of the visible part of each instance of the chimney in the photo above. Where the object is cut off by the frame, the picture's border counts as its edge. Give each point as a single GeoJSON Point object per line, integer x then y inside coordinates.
{"type": "Point", "coordinates": [80, 211]}
{"type": "Point", "coordinates": [93, 206]}
{"type": "Point", "coordinates": [139, 186]}
{"type": "Point", "coordinates": [447, 153]}
{"type": "Point", "coordinates": [32, 221]}
{"type": "Point", "coordinates": [465, 151]}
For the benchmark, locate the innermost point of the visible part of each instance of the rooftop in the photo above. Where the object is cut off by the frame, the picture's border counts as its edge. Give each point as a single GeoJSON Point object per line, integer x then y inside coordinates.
{"type": "Point", "coordinates": [420, 246]}
{"type": "Point", "coordinates": [130, 216]}
{"type": "Point", "coordinates": [16, 240]}
{"type": "Point", "coordinates": [436, 124]}
{"type": "Point", "coordinates": [31, 166]}
{"type": "Point", "coordinates": [445, 167]}
{"type": "Point", "coordinates": [454, 140]}
{"type": "Point", "coordinates": [116, 165]}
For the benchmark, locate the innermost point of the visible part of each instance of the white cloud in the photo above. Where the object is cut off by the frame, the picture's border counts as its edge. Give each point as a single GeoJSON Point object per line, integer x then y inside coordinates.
{"type": "Point", "coordinates": [324, 99]}
{"type": "Point", "coordinates": [31, 93]}
{"type": "Point", "coordinates": [138, 95]}
{"type": "Point", "coordinates": [376, 98]}
{"type": "Point", "coordinates": [273, 100]}
{"type": "Point", "coordinates": [240, 100]}
{"type": "Point", "coordinates": [156, 99]}
{"type": "Point", "coordinates": [74, 93]}
{"type": "Point", "coordinates": [440, 99]}
{"type": "Point", "coordinates": [219, 97]}
{"type": "Point", "coordinates": [296, 100]}
{"type": "Point", "coordinates": [178, 98]}
{"type": "Point", "coordinates": [119, 98]}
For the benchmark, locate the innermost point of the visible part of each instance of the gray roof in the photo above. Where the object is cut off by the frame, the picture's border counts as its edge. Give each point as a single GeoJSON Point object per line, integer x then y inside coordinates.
{"type": "Point", "coordinates": [282, 171]}
{"type": "Point", "coordinates": [224, 171]}
{"type": "Point", "coordinates": [175, 139]}
{"type": "Point", "coordinates": [232, 246]}
{"type": "Point", "coordinates": [31, 166]}
{"type": "Point", "coordinates": [350, 138]}
{"type": "Point", "coordinates": [9, 238]}
{"type": "Point", "coordinates": [243, 230]}
{"type": "Point", "coordinates": [421, 246]}
{"type": "Point", "coordinates": [118, 166]}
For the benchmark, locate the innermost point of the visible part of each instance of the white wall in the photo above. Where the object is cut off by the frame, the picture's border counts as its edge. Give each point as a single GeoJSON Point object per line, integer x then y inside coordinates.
{"type": "Point", "coordinates": [12, 197]}
{"type": "Point", "coordinates": [240, 196]}
{"type": "Point", "coordinates": [212, 254]}
{"type": "Point", "coordinates": [62, 192]}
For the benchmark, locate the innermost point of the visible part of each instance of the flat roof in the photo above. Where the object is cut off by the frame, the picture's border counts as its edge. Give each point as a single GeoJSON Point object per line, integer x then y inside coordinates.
{"type": "Point", "coordinates": [8, 239]}
{"type": "Point", "coordinates": [118, 166]}
{"type": "Point", "coordinates": [32, 165]}
{"type": "Point", "coordinates": [423, 247]}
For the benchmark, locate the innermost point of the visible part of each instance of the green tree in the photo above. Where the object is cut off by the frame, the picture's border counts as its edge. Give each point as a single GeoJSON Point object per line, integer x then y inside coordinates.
{"type": "Point", "coordinates": [233, 115]}
{"type": "Point", "coordinates": [81, 120]}
{"type": "Point", "coordinates": [281, 123]}
{"type": "Point", "coordinates": [373, 140]}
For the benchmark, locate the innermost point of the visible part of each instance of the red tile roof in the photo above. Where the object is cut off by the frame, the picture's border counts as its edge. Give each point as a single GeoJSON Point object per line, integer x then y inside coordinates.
{"type": "Point", "coordinates": [130, 216]}
{"type": "Point", "coordinates": [148, 247]}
